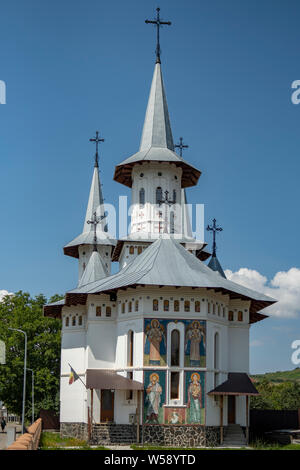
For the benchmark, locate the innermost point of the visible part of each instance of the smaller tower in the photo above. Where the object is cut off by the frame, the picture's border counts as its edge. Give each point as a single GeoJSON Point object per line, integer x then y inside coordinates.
{"type": "Point", "coordinates": [214, 263]}
{"type": "Point", "coordinates": [93, 247]}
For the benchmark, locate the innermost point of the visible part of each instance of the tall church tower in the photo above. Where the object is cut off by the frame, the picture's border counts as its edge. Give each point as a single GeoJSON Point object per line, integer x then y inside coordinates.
{"type": "Point", "coordinates": [93, 247]}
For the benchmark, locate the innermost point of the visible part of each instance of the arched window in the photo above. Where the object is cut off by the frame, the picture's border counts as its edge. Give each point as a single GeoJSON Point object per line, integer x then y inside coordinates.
{"type": "Point", "coordinates": [197, 306]}
{"type": "Point", "coordinates": [214, 309]}
{"type": "Point", "coordinates": [83, 266]}
{"type": "Point", "coordinates": [98, 311]}
{"type": "Point", "coordinates": [186, 305]}
{"type": "Point", "coordinates": [224, 312]}
{"type": "Point", "coordinates": [216, 358]}
{"type": "Point", "coordinates": [108, 311]}
{"type": "Point", "coordinates": [219, 310]}
{"type": "Point", "coordinates": [67, 321]}
{"type": "Point", "coordinates": [136, 306]}
{"type": "Point", "coordinates": [208, 307]}
{"type": "Point", "coordinates": [240, 316]}
{"type": "Point", "coordinates": [131, 250]}
{"type": "Point", "coordinates": [142, 197]}
{"type": "Point", "coordinates": [172, 223]}
{"type": "Point", "coordinates": [80, 320]}
{"type": "Point", "coordinates": [74, 321]}
{"type": "Point", "coordinates": [230, 315]}
{"type": "Point", "coordinates": [140, 250]}
{"type": "Point", "coordinates": [176, 306]}
{"type": "Point", "coordinates": [174, 195]}
{"type": "Point", "coordinates": [158, 195]}
{"type": "Point", "coordinates": [166, 305]}
{"type": "Point", "coordinates": [155, 305]}
{"type": "Point", "coordinates": [130, 339]}
{"type": "Point", "coordinates": [123, 307]}
{"type": "Point", "coordinates": [175, 347]}
{"type": "Point", "coordinates": [130, 306]}
{"type": "Point", "coordinates": [175, 379]}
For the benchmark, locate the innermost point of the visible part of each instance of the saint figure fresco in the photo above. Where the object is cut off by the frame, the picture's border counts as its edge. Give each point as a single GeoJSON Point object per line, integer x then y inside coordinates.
{"type": "Point", "coordinates": [153, 399]}
{"type": "Point", "coordinates": [194, 402]}
{"type": "Point", "coordinates": [195, 344]}
{"type": "Point", "coordinates": [155, 334]}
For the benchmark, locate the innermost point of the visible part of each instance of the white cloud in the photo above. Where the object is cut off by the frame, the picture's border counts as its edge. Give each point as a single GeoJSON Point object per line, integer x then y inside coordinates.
{"type": "Point", "coordinates": [284, 287]}
{"type": "Point", "coordinates": [3, 293]}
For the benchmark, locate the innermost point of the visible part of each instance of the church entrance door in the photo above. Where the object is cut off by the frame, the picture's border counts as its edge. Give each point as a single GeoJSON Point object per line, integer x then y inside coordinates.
{"type": "Point", "coordinates": [107, 406]}
{"type": "Point", "coordinates": [231, 409]}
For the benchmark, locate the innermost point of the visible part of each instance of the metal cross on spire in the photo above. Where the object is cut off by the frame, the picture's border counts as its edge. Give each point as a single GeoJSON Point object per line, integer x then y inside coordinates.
{"type": "Point", "coordinates": [181, 146]}
{"type": "Point", "coordinates": [214, 229]}
{"type": "Point", "coordinates": [158, 24]}
{"type": "Point", "coordinates": [96, 140]}
{"type": "Point", "coordinates": [95, 221]}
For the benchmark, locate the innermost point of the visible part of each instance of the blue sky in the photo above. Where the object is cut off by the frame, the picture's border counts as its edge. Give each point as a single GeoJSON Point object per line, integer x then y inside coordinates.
{"type": "Point", "coordinates": [73, 67]}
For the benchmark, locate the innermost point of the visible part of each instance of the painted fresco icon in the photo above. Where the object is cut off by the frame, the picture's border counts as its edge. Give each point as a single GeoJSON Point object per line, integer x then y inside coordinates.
{"type": "Point", "coordinates": [153, 399]}
{"type": "Point", "coordinates": [195, 400]}
{"type": "Point", "coordinates": [155, 343]}
{"type": "Point", "coordinates": [195, 344]}
{"type": "Point", "coordinates": [175, 415]}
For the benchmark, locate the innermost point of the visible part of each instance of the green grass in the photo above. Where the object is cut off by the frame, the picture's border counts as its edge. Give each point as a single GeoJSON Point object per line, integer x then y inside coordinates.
{"type": "Point", "coordinates": [54, 441]}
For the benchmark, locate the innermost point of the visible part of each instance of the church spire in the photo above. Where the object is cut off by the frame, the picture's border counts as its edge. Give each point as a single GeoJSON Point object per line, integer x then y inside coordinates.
{"type": "Point", "coordinates": [157, 127]}
{"type": "Point", "coordinates": [95, 202]}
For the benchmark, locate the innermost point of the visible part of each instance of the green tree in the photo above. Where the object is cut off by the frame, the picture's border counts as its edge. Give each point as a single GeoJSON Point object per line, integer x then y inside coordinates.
{"type": "Point", "coordinates": [43, 353]}
{"type": "Point", "coordinates": [277, 396]}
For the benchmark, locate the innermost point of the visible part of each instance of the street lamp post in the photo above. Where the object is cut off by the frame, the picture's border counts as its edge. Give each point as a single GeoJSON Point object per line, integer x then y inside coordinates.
{"type": "Point", "coordinates": [24, 377]}
{"type": "Point", "coordinates": [32, 396]}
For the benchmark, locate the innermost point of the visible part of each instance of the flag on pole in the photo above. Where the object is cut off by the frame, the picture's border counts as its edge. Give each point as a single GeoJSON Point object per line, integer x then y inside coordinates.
{"type": "Point", "coordinates": [73, 376]}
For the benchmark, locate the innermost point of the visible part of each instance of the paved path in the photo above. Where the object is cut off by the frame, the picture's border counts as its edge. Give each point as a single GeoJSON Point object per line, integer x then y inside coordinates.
{"type": "Point", "coordinates": [3, 435]}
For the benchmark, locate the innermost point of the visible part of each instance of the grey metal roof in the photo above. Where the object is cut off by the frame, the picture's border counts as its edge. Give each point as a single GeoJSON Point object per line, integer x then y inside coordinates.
{"type": "Point", "coordinates": [157, 140]}
{"type": "Point", "coordinates": [94, 271]}
{"type": "Point", "coordinates": [103, 379]}
{"type": "Point", "coordinates": [215, 265]}
{"type": "Point", "coordinates": [167, 263]}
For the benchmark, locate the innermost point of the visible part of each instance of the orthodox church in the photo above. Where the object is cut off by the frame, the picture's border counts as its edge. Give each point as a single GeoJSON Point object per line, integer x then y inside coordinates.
{"type": "Point", "coordinates": [159, 351]}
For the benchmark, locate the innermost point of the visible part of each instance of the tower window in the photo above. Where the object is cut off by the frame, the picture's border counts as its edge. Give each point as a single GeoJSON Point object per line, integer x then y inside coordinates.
{"type": "Point", "coordinates": [158, 195]}
{"type": "Point", "coordinates": [98, 311]}
{"type": "Point", "coordinates": [174, 195]}
{"type": "Point", "coordinates": [175, 347]}
{"type": "Point", "coordinates": [74, 321]}
{"type": "Point", "coordinates": [166, 305]}
{"type": "Point", "coordinates": [230, 315]}
{"type": "Point", "coordinates": [83, 266]}
{"type": "Point", "coordinates": [197, 306]}
{"type": "Point", "coordinates": [131, 250]}
{"type": "Point", "coordinates": [186, 305]}
{"type": "Point", "coordinates": [172, 222]}
{"type": "Point", "coordinates": [208, 307]}
{"type": "Point", "coordinates": [240, 316]}
{"type": "Point", "coordinates": [67, 321]}
{"type": "Point", "coordinates": [140, 249]}
{"type": "Point", "coordinates": [142, 197]}
{"type": "Point", "coordinates": [130, 306]}
{"type": "Point", "coordinates": [155, 305]}
{"type": "Point", "coordinates": [108, 311]}
{"type": "Point", "coordinates": [80, 320]}
{"type": "Point", "coordinates": [123, 307]}
{"type": "Point", "coordinates": [176, 305]}
{"type": "Point", "coordinates": [136, 305]}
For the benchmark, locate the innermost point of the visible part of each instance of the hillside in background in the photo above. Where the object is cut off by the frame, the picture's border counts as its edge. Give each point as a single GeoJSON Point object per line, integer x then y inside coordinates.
{"type": "Point", "coordinates": [279, 377]}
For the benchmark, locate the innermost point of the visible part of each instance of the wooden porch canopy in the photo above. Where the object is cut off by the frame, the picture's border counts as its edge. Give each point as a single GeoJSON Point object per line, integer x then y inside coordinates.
{"type": "Point", "coordinates": [101, 379]}
{"type": "Point", "coordinates": [236, 384]}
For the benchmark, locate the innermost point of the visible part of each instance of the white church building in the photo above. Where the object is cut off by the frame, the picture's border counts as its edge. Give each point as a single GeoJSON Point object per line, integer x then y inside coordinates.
{"type": "Point", "coordinates": [161, 348]}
